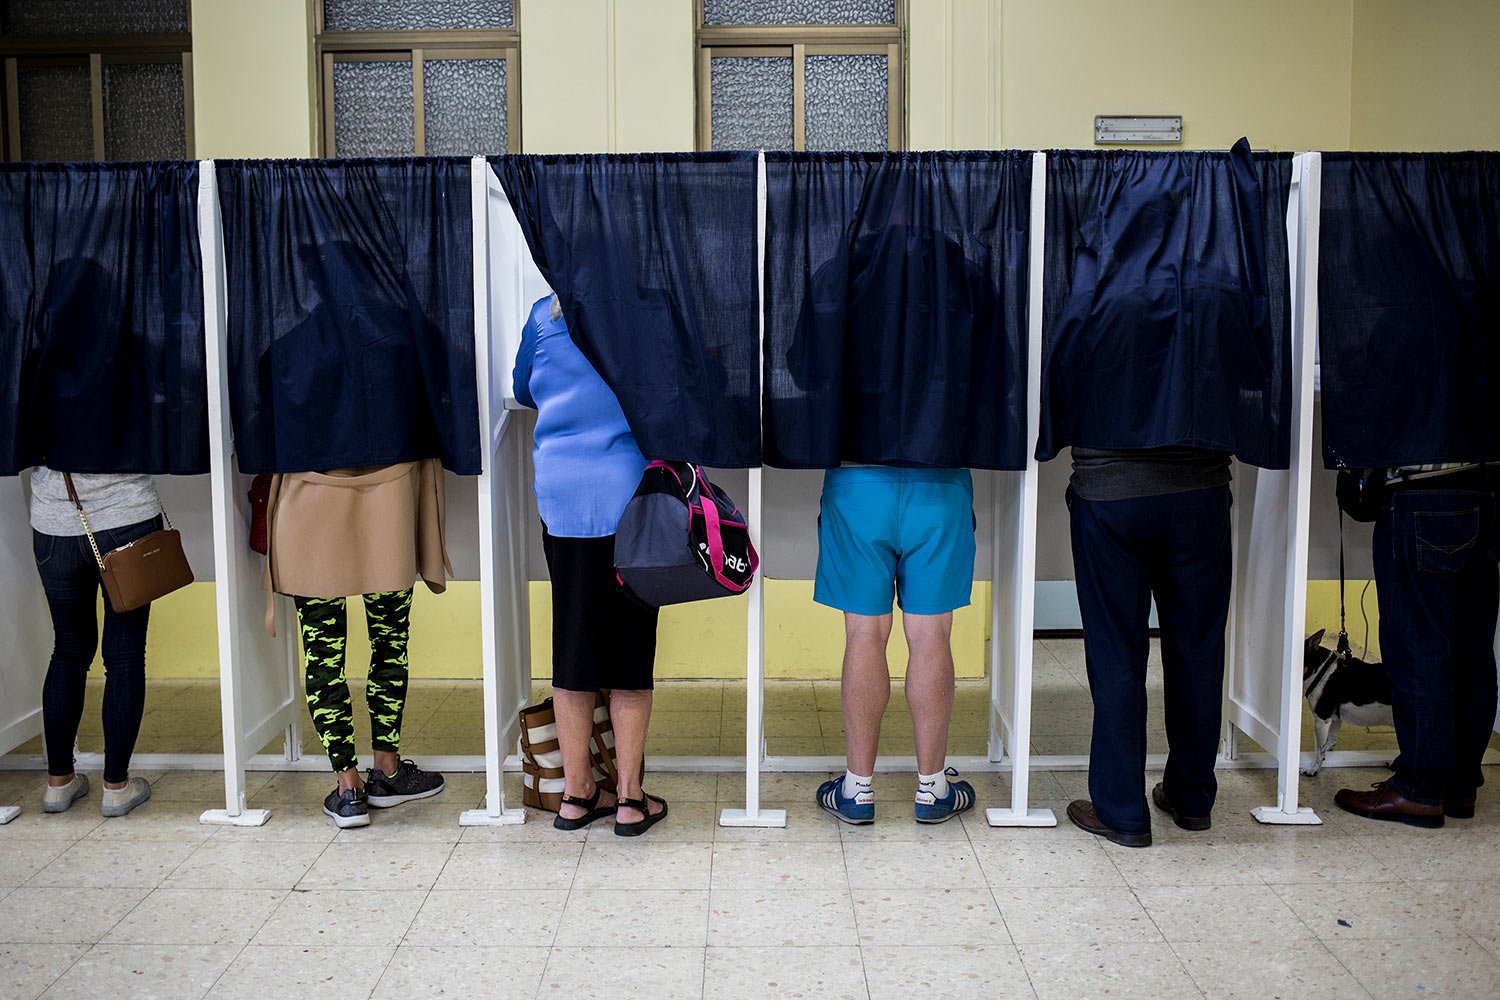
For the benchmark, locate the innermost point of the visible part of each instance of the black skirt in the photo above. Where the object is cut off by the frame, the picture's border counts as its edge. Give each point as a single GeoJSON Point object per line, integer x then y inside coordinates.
{"type": "Point", "coordinates": [601, 637]}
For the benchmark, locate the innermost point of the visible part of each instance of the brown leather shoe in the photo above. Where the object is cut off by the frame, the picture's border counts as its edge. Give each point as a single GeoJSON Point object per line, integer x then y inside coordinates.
{"type": "Point", "coordinates": [1385, 803]}
{"type": "Point", "coordinates": [1459, 810]}
{"type": "Point", "coordinates": [1159, 797]}
{"type": "Point", "coordinates": [1081, 812]}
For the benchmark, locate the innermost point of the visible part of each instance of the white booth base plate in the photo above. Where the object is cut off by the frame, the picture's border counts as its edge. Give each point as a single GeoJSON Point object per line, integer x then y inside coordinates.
{"type": "Point", "coordinates": [1010, 817]}
{"type": "Point", "coordinates": [1274, 816]}
{"type": "Point", "coordinates": [8, 813]}
{"type": "Point", "coordinates": [483, 817]}
{"type": "Point", "coordinates": [247, 817]}
{"type": "Point", "coordinates": [771, 818]}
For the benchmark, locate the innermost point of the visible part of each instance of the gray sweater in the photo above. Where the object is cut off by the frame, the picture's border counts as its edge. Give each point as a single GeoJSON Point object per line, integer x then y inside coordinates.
{"type": "Point", "coordinates": [110, 501]}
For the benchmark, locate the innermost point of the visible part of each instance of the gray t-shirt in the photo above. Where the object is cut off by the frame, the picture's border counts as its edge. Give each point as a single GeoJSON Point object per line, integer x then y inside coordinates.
{"type": "Point", "coordinates": [110, 501]}
{"type": "Point", "coordinates": [1109, 474]}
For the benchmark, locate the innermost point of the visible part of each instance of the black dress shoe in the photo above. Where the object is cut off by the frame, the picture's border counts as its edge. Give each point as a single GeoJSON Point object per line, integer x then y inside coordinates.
{"type": "Point", "coordinates": [1159, 796]}
{"type": "Point", "coordinates": [1081, 812]}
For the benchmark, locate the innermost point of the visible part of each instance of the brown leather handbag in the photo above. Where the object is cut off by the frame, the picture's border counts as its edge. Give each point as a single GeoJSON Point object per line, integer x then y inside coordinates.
{"type": "Point", "coordinates": [541, 757]}
{"type": "Point", "coordinates": [137, 573]}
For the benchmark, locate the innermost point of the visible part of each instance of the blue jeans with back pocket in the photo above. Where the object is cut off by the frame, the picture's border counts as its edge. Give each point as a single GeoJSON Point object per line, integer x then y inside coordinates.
{"type": "Point", "coordinates": [1436, 546]}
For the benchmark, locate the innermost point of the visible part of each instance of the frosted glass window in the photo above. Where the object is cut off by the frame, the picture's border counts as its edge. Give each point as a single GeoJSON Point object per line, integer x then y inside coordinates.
{"type": "Point", "coordinates": [463, 101]}
{"type": "Point", "coordinates": [92, 17]}
{"type": "Point", "coordinates": [57, 117]}
{"type": "Point", "coordinates": [143, 112]}
{"type": "Point", "coordinates": [763, 12]}
{"type": "Point", "coordinates": [847, 102]}
{"type": "Point", "coordinates": [418, 15]}
{"type": "Point", "coordinates": [372, 109]}
{"type": "Point", "coordinates": [751, 102]}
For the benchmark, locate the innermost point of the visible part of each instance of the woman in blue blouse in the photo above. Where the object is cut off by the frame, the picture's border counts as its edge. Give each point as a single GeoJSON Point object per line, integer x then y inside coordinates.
{"type": "Point", "coordinates": [587, 469]}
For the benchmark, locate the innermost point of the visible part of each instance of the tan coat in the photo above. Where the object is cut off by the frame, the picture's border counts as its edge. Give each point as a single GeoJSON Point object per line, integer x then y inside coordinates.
{"type": "Point", "coordinates": [356, 531]}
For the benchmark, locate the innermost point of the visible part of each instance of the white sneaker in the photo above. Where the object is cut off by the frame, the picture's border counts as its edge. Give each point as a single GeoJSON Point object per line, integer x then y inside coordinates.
{"type": "Point", "coordinates": [60, 798]}
{"type": "Point", "coordinates": [119, 801]}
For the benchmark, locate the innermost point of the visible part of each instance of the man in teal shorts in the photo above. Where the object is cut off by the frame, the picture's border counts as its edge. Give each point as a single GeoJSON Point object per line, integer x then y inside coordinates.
{"type": "Point", "coordinates": [896, 535]}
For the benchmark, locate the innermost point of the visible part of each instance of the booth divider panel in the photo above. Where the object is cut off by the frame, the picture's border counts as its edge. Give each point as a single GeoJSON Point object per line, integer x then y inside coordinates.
{"type": "Point", "coordinates": [258, 685]}
{"type": "Point", "coordinates": [24, 622]}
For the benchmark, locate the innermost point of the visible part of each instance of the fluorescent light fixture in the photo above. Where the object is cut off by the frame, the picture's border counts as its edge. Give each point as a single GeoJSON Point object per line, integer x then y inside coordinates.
{"type": "Point", "coordinates": [1117, 129]}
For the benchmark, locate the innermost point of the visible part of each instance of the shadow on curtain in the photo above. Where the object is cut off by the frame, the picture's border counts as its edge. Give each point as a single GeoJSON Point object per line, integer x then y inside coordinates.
{"type": "Point", "coordinates": [653, 258]}
{"type": "Point", "coordinates": [1166, 307]}
{"type": "Point", "coordinates": [896, 309]}
{"type": "Point", "coordinates": [351, 313]}
{"type": "Point", "coordinates": [1409, 308]}
{"type": "Point", "coordinates": [101, 319]}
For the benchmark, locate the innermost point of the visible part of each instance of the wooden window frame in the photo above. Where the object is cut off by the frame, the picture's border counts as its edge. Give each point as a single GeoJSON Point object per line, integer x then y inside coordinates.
{"type": "Point", "coordinates": [800, 41]}
{"type": "Point", "coordinates": [95, 52]}
{"type": "Point", "coordinates": [417, 47]}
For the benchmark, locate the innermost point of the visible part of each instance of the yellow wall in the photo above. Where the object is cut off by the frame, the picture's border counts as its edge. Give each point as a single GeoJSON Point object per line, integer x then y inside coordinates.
{"type": "Point", "coordinates": [253, 82]}
{"type": "Point", "coordinates": [604, 76]}
{"type": "Point", "coordinates": [1323, 612]}
{"type": "Point", "coordinates": [1426, 75]}
{"type": "Point", "coordinates": [1275, 70]}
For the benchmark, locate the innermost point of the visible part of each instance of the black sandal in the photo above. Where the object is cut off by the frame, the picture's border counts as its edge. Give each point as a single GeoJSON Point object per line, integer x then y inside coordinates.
{"type": "Point", "coordinates": [595, 811]}
{"type": "Point", "coordinates": [640, 826]}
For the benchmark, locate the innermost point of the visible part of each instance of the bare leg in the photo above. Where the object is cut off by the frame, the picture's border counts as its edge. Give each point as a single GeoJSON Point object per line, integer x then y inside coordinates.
{"type": "Point", "coordinates": [866, 688]}
{"type": "Point", "coordinates": [351, 779]}
{"type": "Point", "coordinates": [929, 686]}
{"type": "Point", "coordinates": [575, 728]}
{"type": "Point", "coordinates": [630, 713]}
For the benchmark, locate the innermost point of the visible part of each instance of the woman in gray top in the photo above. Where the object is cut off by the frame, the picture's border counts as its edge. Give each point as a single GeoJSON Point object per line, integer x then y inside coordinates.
{"type": "Point", "coordinates": [120, 509]}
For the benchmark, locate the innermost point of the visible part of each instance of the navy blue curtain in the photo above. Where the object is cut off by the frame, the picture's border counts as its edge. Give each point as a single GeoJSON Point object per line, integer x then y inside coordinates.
{"type": "Point", "coordinates": [101, 319]}
{"type": "Point", "coordinates": [896, 309]}
{"type": "Point", "coordinates": [653, 260]}
{"type": "Point", "coordinates": [1409, 308]}
{"type": "Point", "coordinates": [1166, 309]}
{"type": "Point", "coordinates": [351, 313]}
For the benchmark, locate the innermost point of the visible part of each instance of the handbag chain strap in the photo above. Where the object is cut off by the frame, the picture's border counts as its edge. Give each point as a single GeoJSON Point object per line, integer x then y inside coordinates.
{"type": "Point", "coordinates": [93, 543]}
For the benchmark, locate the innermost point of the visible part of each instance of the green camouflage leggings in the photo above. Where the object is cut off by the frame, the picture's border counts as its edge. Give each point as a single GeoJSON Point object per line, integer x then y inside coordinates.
{"type": "Point", "coordinates": [324, 633]}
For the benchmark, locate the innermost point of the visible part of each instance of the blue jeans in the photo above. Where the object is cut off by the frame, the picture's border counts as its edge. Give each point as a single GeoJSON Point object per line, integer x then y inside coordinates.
{"type": "Point", "coordinates": [1436, 545]}
{"type": "Point", "coordinates": [1175, 547]}
{"type": "Point", "coordinates": [70, 578]}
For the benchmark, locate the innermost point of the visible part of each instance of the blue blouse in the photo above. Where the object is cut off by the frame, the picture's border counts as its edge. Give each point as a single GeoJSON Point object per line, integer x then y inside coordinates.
{"type": "Point", "coordinates": [586, 459]}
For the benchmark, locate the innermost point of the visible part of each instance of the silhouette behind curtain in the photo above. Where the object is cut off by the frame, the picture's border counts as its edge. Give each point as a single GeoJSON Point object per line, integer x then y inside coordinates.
{"type": "Point", "coordinates": [1166, 307]}
{"type": "Point", "coordinates": [1409, 308]}
{"type": "Point", "coordinates": [101, 319]}
{"type": "Point", "coordinates": [351, 320]}
{"type": "Point", "coordinates": [896, 309]}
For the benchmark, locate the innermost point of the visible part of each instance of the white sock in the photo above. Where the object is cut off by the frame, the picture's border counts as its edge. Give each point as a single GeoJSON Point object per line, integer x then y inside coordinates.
{"type": "Point", "coordinates": [861, 788]}
{"type": "Point", "coordinates": [931, 787]}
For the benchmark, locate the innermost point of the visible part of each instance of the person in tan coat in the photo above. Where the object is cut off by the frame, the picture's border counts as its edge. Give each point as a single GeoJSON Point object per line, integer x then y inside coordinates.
{"type": "Point", "coordinates": [370, 532]}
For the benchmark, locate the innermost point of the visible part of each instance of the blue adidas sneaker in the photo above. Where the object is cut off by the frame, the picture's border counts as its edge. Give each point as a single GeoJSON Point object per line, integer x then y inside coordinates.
{"type": "Point", "coordinates": [831, 798]}
{"type": "Point", "coordinates": [960, 798]}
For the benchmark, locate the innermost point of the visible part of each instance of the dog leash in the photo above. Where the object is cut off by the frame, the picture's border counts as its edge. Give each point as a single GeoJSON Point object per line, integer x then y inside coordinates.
{"type": "Point", "coordinates": [1342, 649]}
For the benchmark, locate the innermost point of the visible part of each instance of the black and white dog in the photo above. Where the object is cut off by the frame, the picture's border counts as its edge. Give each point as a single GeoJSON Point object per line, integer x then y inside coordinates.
{"type": "Point", "coordinates": [1341, 689]}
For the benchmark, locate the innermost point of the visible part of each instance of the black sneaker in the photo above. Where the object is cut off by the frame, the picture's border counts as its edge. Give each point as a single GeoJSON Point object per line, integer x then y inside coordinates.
{"type": "Point", "coordinates": [346, 807]}
{"type": "Point", "coordinates": [409, 782]}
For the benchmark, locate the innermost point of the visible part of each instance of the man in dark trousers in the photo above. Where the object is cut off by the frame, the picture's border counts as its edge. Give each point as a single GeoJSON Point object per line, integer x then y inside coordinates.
{"type": "Point", "coordinates": [1151, 522]}
{"type": "Point", "coordinates": [1435, 547]}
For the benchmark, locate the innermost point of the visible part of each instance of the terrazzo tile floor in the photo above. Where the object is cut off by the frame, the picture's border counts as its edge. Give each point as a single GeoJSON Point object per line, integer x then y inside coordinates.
{"type": "Point", "coordinates": [156, 905]}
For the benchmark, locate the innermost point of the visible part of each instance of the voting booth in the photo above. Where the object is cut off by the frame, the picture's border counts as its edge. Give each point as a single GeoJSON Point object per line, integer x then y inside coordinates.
{"type": "Point", "coordinates": [747, 271]}
{"type": "Point", "coordinates": [101, 359]}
